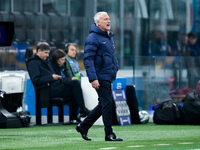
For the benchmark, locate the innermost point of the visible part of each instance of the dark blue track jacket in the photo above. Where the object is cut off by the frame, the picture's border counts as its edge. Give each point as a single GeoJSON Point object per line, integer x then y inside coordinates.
{"type": "Point", "coordinates": [100, 59]}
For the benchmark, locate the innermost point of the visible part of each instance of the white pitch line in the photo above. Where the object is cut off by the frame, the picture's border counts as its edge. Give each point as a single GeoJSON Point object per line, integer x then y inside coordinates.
{"type": "Point", "coordinates": [109, 148]}
{"type": "Point", "coordinates": [162, 144]}
{"type": "Point", "coordinates": [186, 143]}
{"type": "Point", "coordinates": [144, 145]}
{"type": "Point", "coordinates": [137, 146]}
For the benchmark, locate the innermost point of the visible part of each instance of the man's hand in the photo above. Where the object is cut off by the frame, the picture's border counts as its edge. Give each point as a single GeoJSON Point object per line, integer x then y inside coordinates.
{"type": "Point", "coordinates": [95, 84]}
{"type": "Point", "coordinates": [74, 78]}
{"type": "Point", "coordinates": [56, 77]}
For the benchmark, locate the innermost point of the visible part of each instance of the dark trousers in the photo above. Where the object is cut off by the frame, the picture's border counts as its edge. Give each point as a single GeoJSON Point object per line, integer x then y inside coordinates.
{"type": "Point", "coordinates": [73, 89]}
{"type": "Point", "coordinates": [73, 111]}
{"type": "Point", "coordinates": [103, 108]}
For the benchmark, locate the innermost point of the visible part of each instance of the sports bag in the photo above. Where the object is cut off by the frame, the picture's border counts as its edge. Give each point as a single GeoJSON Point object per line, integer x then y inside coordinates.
{"type": "Point", "coordinates": [167, 112]}
{"type": "Point", "coordinates": [191, 108]}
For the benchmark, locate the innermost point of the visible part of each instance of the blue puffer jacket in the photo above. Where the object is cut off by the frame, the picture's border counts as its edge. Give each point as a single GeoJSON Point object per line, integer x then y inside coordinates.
{"type": "Point", "coordinates": [100, 59]}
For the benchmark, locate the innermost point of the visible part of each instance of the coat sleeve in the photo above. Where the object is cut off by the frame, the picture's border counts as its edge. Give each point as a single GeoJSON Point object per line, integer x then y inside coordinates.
{"type": "Point", "coordinates": [68, 71]}
{"type": "Point", "coordinates": [90, 50]}
{"type": "Point", "coordinates": [35, 74]}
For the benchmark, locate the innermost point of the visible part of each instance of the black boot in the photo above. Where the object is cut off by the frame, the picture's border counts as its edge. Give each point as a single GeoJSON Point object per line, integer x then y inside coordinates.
{"type": "Point", "coordinates": [84, 112]}
{"type": "Point", "coordinates": [112, 137]}
{"type": "Point", "coordinates": [83, 132]}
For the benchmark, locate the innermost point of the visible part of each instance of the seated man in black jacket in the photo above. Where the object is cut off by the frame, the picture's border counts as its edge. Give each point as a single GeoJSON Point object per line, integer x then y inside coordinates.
{"type": "Point", "coordinates": [42, 72]}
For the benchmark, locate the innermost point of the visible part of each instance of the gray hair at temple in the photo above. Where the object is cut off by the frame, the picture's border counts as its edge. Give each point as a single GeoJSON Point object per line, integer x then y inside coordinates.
{"type": "Point", "coordinates": [98, 15]}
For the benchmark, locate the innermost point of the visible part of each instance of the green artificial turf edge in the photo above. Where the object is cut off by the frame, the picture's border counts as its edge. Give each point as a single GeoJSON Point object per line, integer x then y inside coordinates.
{"type": "Point", "coordinates": [141, 137]}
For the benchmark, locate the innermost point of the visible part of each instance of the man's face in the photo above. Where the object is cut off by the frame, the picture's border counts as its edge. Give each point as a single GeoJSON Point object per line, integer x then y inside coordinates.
{"type": "Point", "coordinates": [71, 51]}
{"type": "Point", "coordinates": [104, 22]}
{"type": "Point", "coordinates": [43, 54]}
{"type": "Point", "coordinates": [192, 40]}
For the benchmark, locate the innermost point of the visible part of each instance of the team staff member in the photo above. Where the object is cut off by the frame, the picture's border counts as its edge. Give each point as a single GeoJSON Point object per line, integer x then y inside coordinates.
{"type": "Point", "coordinates": [101, 66]}
{"type": "Point", "coordinates": [72, 66]}
{"type": "Point", "coordinates": [41, 72]}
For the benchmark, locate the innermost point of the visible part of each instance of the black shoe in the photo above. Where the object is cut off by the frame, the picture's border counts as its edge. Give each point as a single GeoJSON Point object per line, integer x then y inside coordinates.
{"type": "Point", "coordinates": [83, 132]}
{"type": "Point", "coordinates": [84, 113]}
{"type": "Point", "coordinates": [113, 137]}
{"type": "Point", "coordinates": [76, 121]}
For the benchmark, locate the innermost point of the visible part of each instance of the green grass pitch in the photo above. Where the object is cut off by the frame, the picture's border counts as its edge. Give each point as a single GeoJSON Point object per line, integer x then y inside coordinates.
{"type": "Point", "coordinates": [136, 137]}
